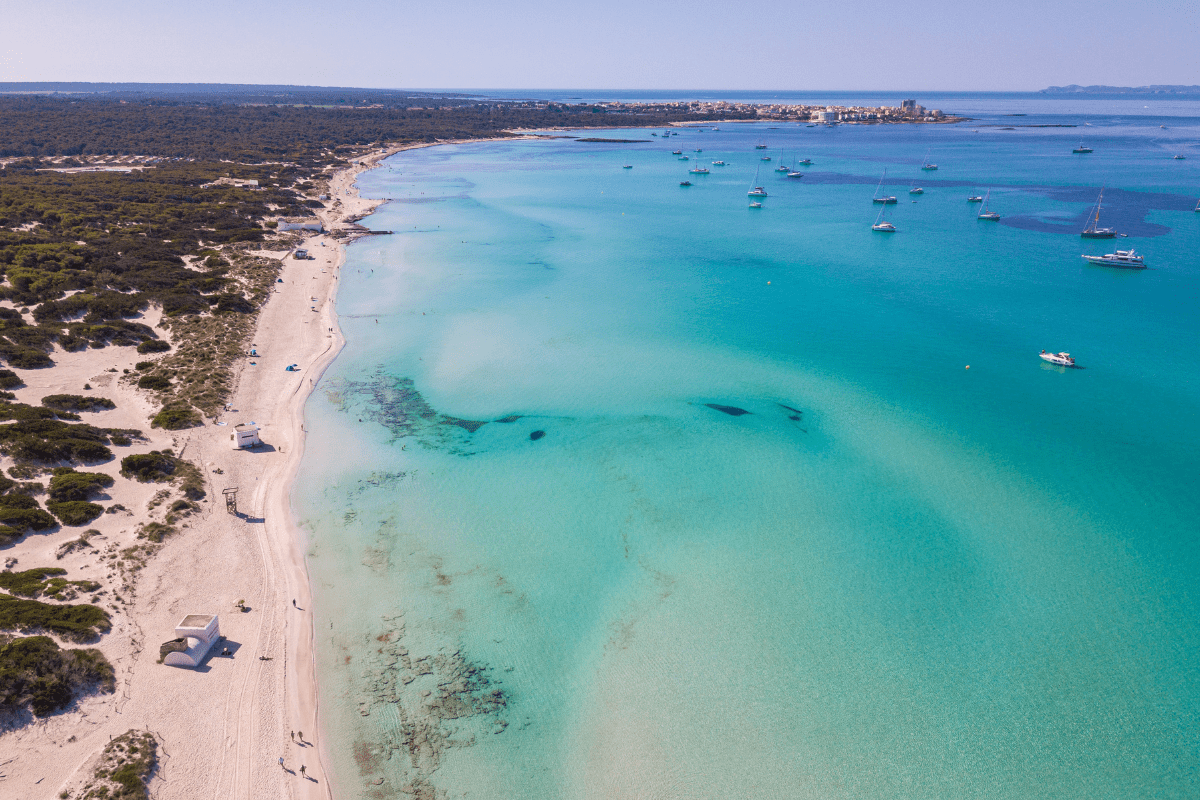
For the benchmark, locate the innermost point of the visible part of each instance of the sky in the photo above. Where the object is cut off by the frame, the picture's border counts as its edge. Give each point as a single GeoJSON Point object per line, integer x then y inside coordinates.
{"type": "Point", "coordinates": [1014, 45]}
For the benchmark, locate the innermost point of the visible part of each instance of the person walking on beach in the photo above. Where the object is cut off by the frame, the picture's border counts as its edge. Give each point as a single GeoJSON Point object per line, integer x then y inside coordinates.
{"type": "Point", "coordinates": [300, 734]}
{"type": "Point", "coordinates": [293, 602]}
{"type": "Point", "coordinates": [302, 775]}
{"type": "Point", "coordinates": [281, 766]}
{"type": "Point", "coordinates": [293, 735]}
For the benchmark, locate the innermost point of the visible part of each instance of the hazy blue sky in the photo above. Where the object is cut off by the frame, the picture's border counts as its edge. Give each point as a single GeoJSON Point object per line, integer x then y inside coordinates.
{"type": "Point", "coordinates": [634, 44]}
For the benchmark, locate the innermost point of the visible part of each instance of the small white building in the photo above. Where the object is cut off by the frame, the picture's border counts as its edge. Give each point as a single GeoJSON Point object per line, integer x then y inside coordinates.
{"type": "Point", "coordinates": [195, 636]}
{"type": "Point", "coordinates": [245, 435]}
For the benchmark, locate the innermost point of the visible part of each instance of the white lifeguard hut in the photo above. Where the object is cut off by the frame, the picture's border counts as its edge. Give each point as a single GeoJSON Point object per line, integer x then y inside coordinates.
{"type": "Point", "coordinates": [245, 435]}
{"type": "Point", "coordinates": [194, 637]}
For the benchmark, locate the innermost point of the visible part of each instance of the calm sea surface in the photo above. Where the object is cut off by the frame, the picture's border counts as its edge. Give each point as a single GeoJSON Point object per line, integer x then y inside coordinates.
{"type": "Point", "coordinates": [623, 489]}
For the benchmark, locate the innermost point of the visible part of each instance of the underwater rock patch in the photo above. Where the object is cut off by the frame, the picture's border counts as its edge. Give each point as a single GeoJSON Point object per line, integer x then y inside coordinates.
{"type": "Point", "coordinates": [537, 435]}
{"type": "Point", "coordinates": [396, 404]}
{"type": "Point", "coordinates": [732, 411]}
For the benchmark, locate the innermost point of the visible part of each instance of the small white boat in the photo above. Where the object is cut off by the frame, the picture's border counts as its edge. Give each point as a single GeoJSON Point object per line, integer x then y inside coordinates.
{"type": "Point", "coordinates": [676, 152]}
{"type": "Point", "coordinates": [984, 214]}
{"type": "Point", "coordinates": [925, 162]}
{"type": "Point", "coordinates": [685, 183]}
{"type": "Point", "coordinates": [882, 225]}
{"type": "Point", "coordinates": [806, 162]}
{"type": "Point", "coordinates": [1093, 231]}
{"type": "Point", "coordinates": [698, 170]}
{"type": "Point", "coordinates": [757, 191]}
{"type": "Point", "coordinates": [975, 198]}
{"type": "Point", "coordinates": [1082, 149]}
{"type": "Point", "coordinates": [1062, 359]}
{"type": "Point", "coordinates": [1124, 259]}
{"type": "Point", "coordinates": [795, 174]}
{"type": "Point", "coordinates": [888, 200]}
{"type": "Point", "coordinates": [755, 204]}
{"type": "Point", "coordinates": [627, 166]}
{"type": "Point", "coordinates": [916, 190]}
{"type": "Point", "coordinates": [760, 147]}
{"type": "Point", "coordinates": [765, 158]}
{"type": "Point", "coordinates": [1180, 157]}
{"type": "Point", "coordinates": [718, 163]}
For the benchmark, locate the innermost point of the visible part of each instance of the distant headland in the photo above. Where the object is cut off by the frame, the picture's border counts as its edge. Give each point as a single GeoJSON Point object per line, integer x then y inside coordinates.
{"type": "Point", "coordinates": [1156, 89]}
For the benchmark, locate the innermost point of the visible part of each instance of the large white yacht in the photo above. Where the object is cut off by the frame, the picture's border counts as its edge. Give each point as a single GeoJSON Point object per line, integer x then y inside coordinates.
{"type": "Point", "coordinates": [1125, 259]}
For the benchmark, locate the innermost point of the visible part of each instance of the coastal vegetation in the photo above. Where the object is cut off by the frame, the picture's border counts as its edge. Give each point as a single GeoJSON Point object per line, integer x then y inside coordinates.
{"type": "Point", "coordinates": [35, 671]}
{"type": "Point", "coordinates": [126, 765]}
{"type": "Point", "coordinates": [76, 623]}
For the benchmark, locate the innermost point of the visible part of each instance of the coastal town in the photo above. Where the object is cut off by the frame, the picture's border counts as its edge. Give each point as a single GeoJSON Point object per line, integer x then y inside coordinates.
{"type": "Point", "coordinates": [908, 112]}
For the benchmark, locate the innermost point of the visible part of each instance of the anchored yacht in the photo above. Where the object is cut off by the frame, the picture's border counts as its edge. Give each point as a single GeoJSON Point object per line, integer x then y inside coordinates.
{"type": "Point", "coordinates": [1062, 359]}
{"type": "Point", "coordinates": [1124, 259]}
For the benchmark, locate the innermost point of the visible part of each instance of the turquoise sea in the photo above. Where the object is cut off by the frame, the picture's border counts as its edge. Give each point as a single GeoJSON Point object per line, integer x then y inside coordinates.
{"type": "Point", "coordinates": [623, 489]}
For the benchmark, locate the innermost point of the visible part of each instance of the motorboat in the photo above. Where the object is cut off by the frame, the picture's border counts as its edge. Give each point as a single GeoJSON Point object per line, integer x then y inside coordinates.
{"type": "Point", "coordinates": [1082, 149]}
{"type": "Point", "coordinates": [984, 214]}
{"type": "Point", "coordinates": [1062, 359]}
{"type": "Point", "coordinates": [975, 198]}
{"type": "Point", "coordinates": [916, 190]}
{"type": "Point", "coordinates": [698, 150]}
{"type": "Point", "coordinates": [699, 170]}
{"type": "Point", "coordinates": [765, 158]}
{"type": "Point", "coordinates": [685, 183]}
{"type": "Point", "coordinates": [760, 147]}
{"type": "Point", "coordinates": [794, 174]}
{"type": "Point", "coordinates": [1123, 259]}
{"type": "Point", "coordinates": [676, 152]}
{"type": "Point", "coordinates": [718, 163]}
{"type": "Point", "coordinates": [805, 162]}
{"type": "Point", "coordinates": [627, 166]}
{"type": "Point", "coordinates": [1180, 157]}
{"type": "Point", "coordinates": [755, 204]}
{"type": "Point", "coordinates": [1092, 231]}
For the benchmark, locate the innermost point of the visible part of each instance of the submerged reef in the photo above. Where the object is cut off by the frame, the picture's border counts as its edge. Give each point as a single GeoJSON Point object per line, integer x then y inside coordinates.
{"type": "Point", "coordinates": [432, 702]}
{"type": "Point", "coordinates": [396, 404]}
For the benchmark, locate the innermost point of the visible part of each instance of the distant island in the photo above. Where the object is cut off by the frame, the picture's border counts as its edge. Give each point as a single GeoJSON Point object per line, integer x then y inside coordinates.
{"type": "Point", "coordinates": [1156, 89]}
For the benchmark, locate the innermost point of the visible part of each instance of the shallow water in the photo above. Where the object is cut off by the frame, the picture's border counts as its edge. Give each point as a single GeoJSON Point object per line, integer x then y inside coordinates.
{"type": "Point", "coordinates": [891, 577]}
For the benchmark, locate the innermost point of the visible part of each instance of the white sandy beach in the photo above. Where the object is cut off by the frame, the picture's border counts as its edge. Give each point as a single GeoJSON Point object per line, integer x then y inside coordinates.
{"type": "Point", "coordinates": [222, 727]}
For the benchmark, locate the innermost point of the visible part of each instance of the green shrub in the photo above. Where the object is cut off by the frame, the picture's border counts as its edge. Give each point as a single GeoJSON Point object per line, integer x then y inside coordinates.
{"type": "Point", "coordinates": [35, 670]}
{"type": "Point", "coordinates": [17, 500]}
{"type": "Point", "coordinates": [153, 346]}
{"type": "Point", "coordinates": [155, 531]}
{"type": "Point", "coordinates": [77, 402]}
{"type": "Point", "coordinates": [45, 580]}
{"type": "Point", "coordinates": [157, 383]}
{"type": "Point", "coordinates": [25, 519]}
{"type": "Point", "coordinates": [153, 467]}
{"type": "Point", "coordinates": [68, 485]}
{"type": "Point", "coordinates": [176, 416]}
{"type": "Point", "coordinates": [141, 365]}
{"type": "Point", "coordinates": [10, 379]}
{"type": "Point", "coordinates": [77, 623]}
{"type": "Point", "coordinates": [75, 512]}
{"type": "Point", "coordinates": [26, 359]}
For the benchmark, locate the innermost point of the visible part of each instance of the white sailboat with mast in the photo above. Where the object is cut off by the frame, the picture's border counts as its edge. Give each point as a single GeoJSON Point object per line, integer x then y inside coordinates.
{"type": "Point", "coordinates": [886, 200]}
{"type": "Point", "coordinates": [1093, 231]}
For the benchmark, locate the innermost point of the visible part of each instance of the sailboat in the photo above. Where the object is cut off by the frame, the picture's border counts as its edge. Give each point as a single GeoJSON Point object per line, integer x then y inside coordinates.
{"type": "Point", "coordinates": [885, 200]}
{"type": "Point", "coordinates": [699, 169]}
{"type": "Point", "coordinates": [881, 224]}
{"type": "Point", "coordinates": [1094, 232]}
{"type": "Point", "coordinates": [925, 162]}
{"type": "Point", "coordinates": [1197, 209]}
{"type": "Point", "coordinates": [782, 167]}
{"type": "Point", "coordinates": [793, 173]}
{"type": "Point", "coordinates": [991, 216]}
{"type": "Point", "coordinates": [757, 191]}
{"type": "Point", "coordinates": [914, 189]}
